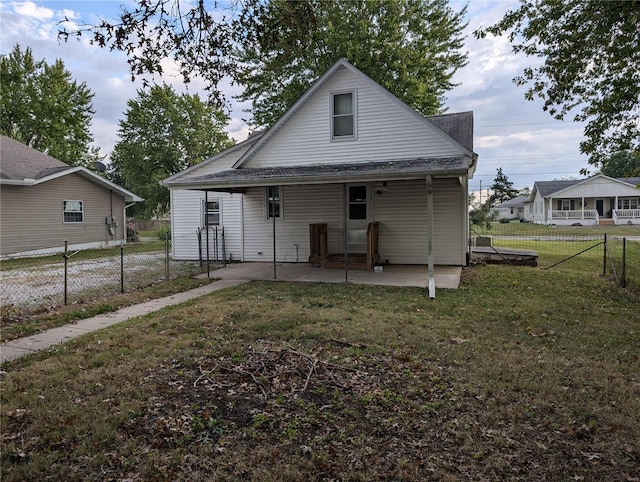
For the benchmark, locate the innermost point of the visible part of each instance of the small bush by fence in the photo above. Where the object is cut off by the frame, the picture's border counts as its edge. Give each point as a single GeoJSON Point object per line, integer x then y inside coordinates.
{"type": "Point", "coordinates": [64, 278]}
{"type": "Point", "coordinates": [612, 251]}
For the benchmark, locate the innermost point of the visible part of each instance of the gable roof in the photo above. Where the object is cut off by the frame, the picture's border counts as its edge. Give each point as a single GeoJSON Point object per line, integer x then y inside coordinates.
{"type": "Point", "coordinates": [192, 171]}
{"type": "Point", "coordinates": [19, 161]}
{"type": "Point", "coordinates": [549, 188]}
{"type": "Point", "coordinates": [456, 128]}
{"type": "Point", "coordinates": [514, 202]}
{"type": "Point", "coordinates": [21, 165]}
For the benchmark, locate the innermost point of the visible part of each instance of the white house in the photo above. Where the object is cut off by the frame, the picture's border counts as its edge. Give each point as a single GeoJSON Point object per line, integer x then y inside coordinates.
{"type": "Point", "coordinates": [348, 170]}
{"type": "Point", "coordinates": [511, 209]}
{"type": "Point", "coordinates": [594, 201]}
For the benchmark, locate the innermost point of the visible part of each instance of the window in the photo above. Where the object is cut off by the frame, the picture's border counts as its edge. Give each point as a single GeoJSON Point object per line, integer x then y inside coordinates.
{"type": "Point", "coordinates": [565, 205]}
{"type": "Point", "coordinates": [343, 115]}
{"type": "Point", "coordinates": [357, 202]}
{"type": "Point", "coordinates": [212, 213]}
{"type": "Point", "coordinates": [72, 212]}
{"type": "Point", "coordinates": [628, 203]}
{"type": "Point", "coordinates": [273, 202]}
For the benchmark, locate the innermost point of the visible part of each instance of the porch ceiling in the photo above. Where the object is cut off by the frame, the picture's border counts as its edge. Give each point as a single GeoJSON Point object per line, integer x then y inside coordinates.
{"type": "Point", "coordinates": [328, 173]}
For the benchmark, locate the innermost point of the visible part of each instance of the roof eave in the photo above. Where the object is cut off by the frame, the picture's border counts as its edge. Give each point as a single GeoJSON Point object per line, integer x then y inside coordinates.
{"type": "Point", "coordinates": [329, 179]}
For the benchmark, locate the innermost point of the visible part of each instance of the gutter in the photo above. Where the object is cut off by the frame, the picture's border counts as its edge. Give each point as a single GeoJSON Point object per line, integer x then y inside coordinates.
{"type": "Point", "coordinates": [292, 180]}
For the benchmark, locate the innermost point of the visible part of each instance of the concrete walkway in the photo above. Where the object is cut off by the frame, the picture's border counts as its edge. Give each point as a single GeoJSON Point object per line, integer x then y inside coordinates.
{"type": "Point", "coordinates": [232, 275]}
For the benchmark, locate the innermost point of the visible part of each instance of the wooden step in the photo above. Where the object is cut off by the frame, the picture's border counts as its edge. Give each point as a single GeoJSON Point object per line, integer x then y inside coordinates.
{"type": "Point", "coordinates": [606, 222]}
{"type": "Point", "coordinates": [356, 261]}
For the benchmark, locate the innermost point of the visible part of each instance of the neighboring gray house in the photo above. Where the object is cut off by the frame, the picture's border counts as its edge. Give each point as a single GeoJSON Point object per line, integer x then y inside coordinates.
{"type": "Point", "coordinates": [511, 209]}
{"type": "Point", "coordinates": [349, 164]}
{"type": "Point", "coordinates": [44, 202]}
{"type": "Point", "coordinates": [594, 201]}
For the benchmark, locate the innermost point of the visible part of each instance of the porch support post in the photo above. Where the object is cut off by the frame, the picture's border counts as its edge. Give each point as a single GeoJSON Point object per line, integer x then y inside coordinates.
{"type": "Point", "coordinates": [345, 203]}
{"type": "Point", "coordinates": [273, 217]}
{"type": "Point", "coordinates": [432, 281]}
{"type": "Point", "coordinates": [582, 204]}
{"type": "Point", "coordinates": [206, 229]}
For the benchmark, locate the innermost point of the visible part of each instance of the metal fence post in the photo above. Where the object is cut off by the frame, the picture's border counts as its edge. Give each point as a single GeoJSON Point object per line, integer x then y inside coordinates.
{"type": "Point", "coordinates": [624, 262]}
{"type": "Point", "coordinates": [604, 262]}
{"type": "Point", "coordinates": [121, 268]}
{"type": "Point", "coordinates": [66, 262]}
{"type": "Point", "coordinates": [166, 254]}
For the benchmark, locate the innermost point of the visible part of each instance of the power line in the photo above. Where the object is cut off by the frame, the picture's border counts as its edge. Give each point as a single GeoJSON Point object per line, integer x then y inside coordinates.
{"type": "Point", "coordinates": [528, 124]}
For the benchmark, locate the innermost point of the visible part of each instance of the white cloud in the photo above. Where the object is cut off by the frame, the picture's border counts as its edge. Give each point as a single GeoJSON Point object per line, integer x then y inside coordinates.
{"type": "Point", "coordinates": [30, 9]}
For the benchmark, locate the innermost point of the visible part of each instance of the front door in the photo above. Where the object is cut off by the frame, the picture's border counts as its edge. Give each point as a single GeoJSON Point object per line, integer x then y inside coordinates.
{"type": "Point", "coordinates": [600, 207]}
{"type": "Point", "coordinates": [358, 201]}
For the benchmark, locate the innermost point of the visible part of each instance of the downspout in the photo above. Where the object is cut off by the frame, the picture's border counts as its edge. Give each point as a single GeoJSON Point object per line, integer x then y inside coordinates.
{"type": "Point", "coordinates": [432, 282]}
{"type": "Point", "coordinates": [345, 237]}
{"type": "Point", "coordinates": [273, 216]}
{"type": "Point", "coordinates": [124, 222]}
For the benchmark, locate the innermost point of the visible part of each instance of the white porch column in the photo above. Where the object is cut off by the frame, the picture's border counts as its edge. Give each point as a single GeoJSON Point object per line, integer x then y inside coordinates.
{"type": "Point", "coordinates": [432, 282]}
{"type": "Point", "coordinates": [582, 205]}
{"type": "Point", "coordinates": [550, 212]}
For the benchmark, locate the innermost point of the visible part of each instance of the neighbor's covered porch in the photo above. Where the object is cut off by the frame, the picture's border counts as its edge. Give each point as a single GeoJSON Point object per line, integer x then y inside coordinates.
{"type": "Point", "coordinates": [594, 211]}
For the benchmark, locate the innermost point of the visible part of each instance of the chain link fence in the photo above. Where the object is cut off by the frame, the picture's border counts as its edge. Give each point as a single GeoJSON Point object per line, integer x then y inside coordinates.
{"type": "Point", "coordinates": [612, 251]}
{"type": "Point", "coordinates": [71, 276]}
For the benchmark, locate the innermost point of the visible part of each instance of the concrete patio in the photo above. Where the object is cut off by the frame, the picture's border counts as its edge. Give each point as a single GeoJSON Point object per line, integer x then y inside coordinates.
{"type": "Point", "coordinates": [393, 275]}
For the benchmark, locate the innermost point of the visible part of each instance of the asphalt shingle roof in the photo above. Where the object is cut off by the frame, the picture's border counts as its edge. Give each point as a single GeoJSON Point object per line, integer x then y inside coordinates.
{"type": "Point", "coordinates": [458, 125]}
{"type": "Point", "coordinates": [19, 161]}
{"type": "Point", "coordinates": [328, 172]}
{"type": "Point", "coordinates": [547, 188]}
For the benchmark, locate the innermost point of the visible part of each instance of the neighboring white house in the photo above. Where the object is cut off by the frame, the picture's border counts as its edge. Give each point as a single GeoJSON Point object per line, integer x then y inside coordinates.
{"type": "Point", "coordinates": [511, 209]}
{"type": "Point", "coordinates": [597, 200]}
{"type": "Point", "coordinates": [347, 163]}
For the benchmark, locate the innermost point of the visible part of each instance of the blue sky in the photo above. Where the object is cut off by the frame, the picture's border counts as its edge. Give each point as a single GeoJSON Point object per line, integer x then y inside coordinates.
{"type": "Point", "coordinates": [510, 132]}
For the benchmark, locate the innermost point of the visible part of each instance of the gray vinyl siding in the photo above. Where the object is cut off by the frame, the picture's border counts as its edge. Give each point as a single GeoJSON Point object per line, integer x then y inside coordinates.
{"type": "Point", "coordinates": [401, 212]}
{"type": "Point", "coordinates": [187, 218]}
{"type": "Point", "coordinates": [32, 216]}
{"type": "Point", "coordinates": [386, 129]}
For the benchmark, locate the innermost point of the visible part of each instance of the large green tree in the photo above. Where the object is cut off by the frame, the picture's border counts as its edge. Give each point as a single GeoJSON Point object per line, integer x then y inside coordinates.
{"type": "Point", "coordinates": [410, 47]}
{"type": "Point", "coordinates": [276, 49]}
{"type": "Point", "coordinates": [590, 53]}
{"type": "Point", "coordinates": [162, 134]}
{"type": "Point", "coordinates": [43, 107]}
{"type": "Point", "coordinates": [502, 189]}
{"type": "Point", "coordinates": [622, 164]}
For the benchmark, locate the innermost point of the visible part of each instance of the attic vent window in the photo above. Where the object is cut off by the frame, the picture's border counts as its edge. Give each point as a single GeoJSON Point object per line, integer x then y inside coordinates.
{"type": "Point", "coordinates": [343, 115]}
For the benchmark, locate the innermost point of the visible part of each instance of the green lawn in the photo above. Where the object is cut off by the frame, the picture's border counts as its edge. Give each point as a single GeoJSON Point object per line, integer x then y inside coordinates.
{"type": "Point", "coordinates": [521, 374]}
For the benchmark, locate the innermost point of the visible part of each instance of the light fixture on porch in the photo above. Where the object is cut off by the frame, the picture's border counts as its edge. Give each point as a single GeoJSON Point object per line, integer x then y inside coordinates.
{"type": "Point", "coordinates": [381, 188]}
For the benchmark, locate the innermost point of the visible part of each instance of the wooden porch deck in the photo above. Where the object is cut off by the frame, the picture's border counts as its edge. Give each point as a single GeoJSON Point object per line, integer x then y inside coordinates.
{"type": "Point", "coordinates": [491, 255]}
